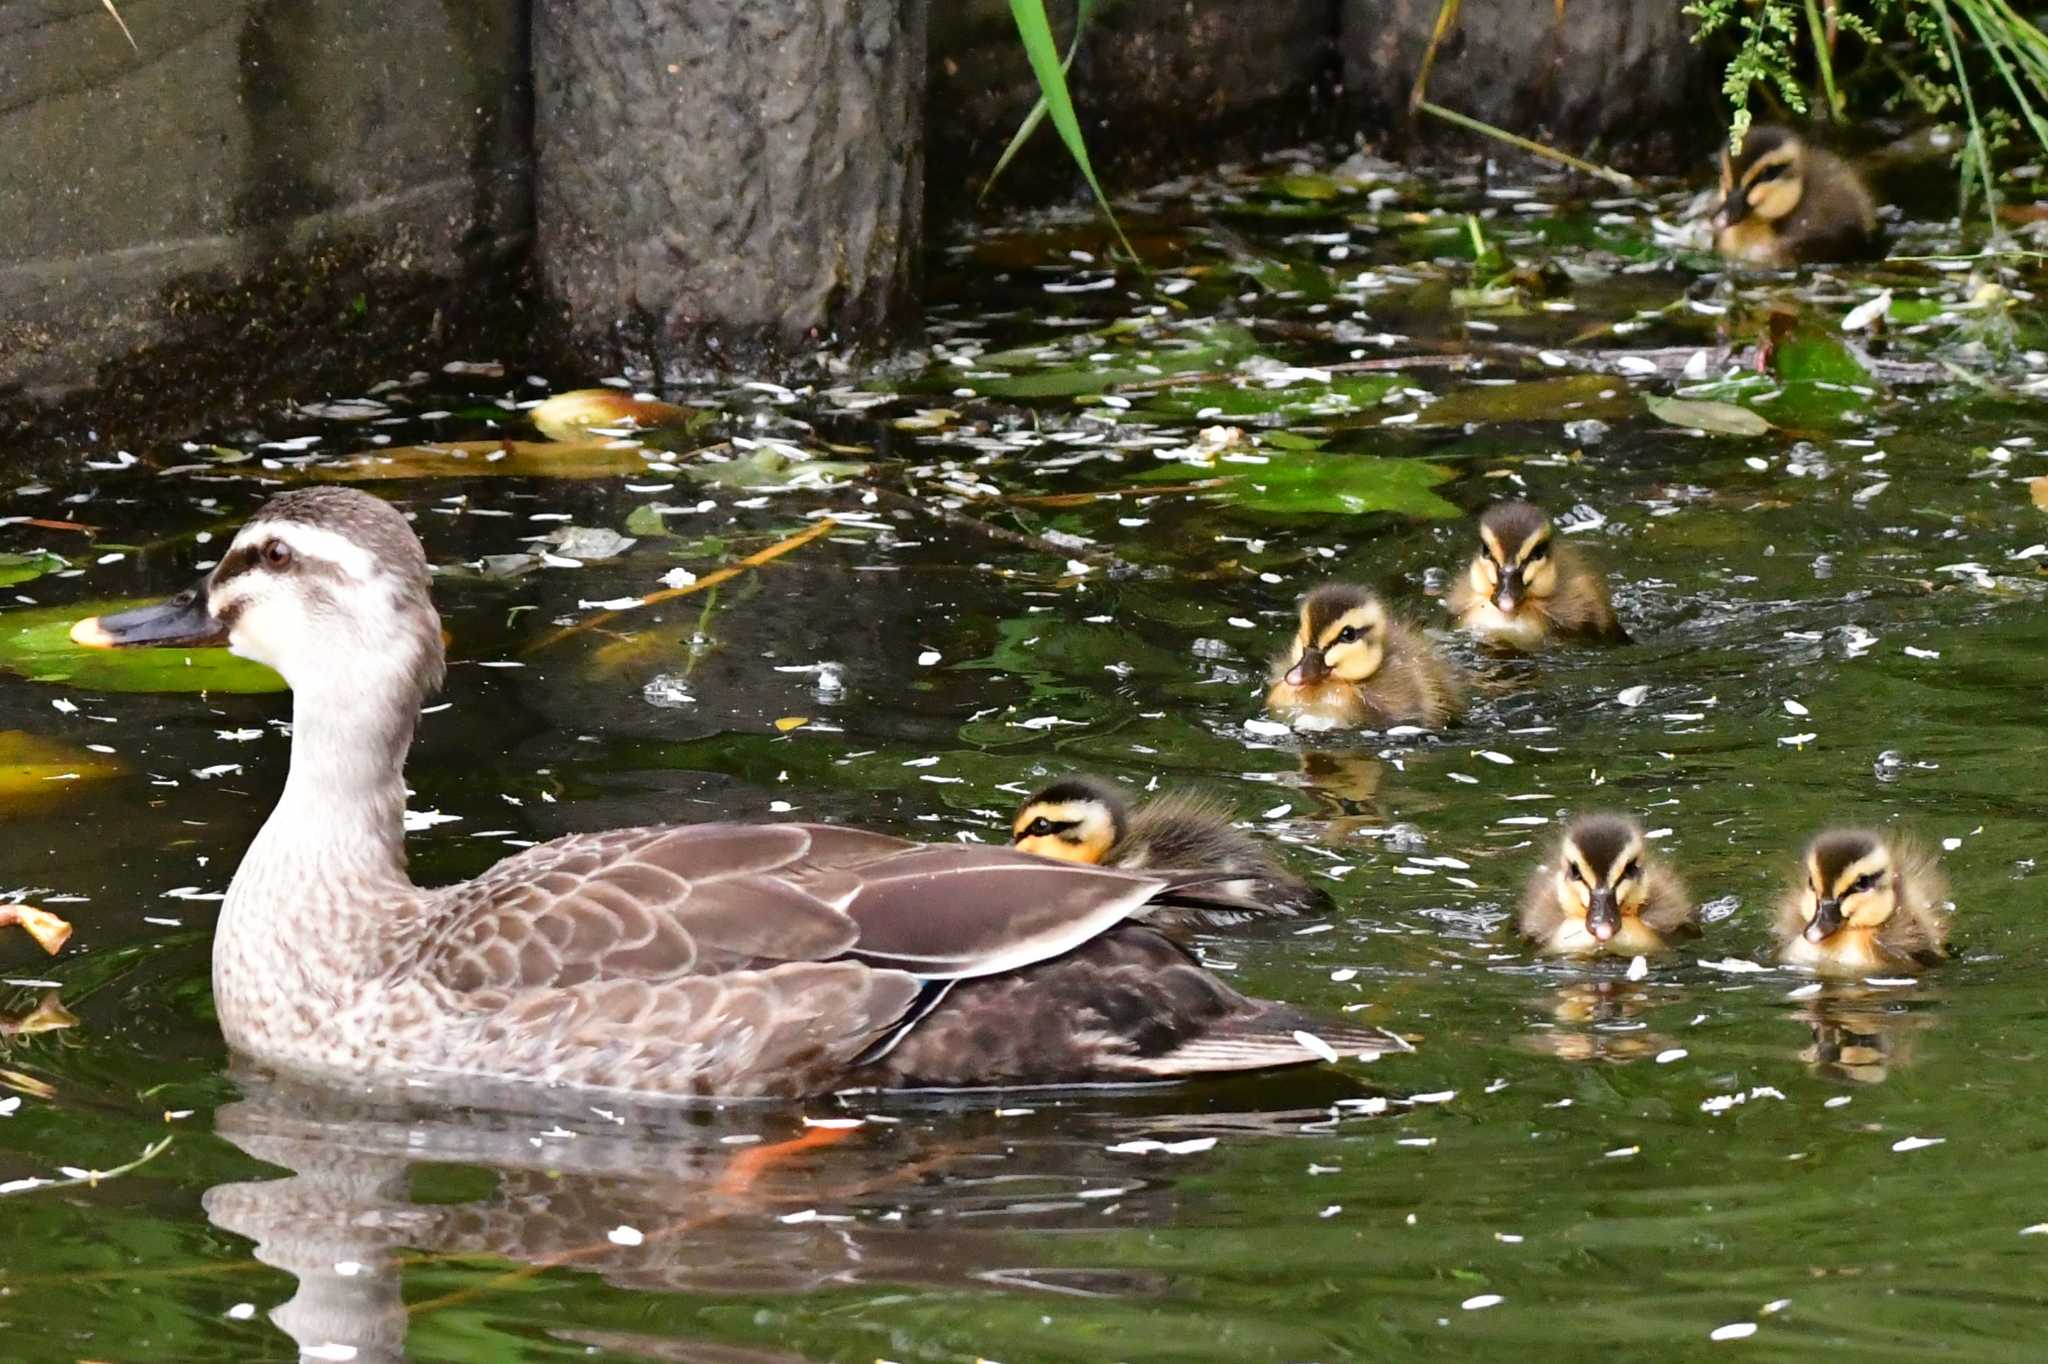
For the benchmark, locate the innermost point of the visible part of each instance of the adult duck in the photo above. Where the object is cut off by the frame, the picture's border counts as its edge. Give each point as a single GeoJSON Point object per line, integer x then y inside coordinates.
{"type": "Point", "coordinates": [673, 961]}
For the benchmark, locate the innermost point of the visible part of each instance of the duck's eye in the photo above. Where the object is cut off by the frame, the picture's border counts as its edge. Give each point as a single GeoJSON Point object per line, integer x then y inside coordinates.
{"type": "Point", "coordinates": [1541, 551]}
{"type": "Point", "coordinates": [1572, 870]}
{"type": "Point", "coordinates": [1864, 883]}
{"type": "Point", "coordinates": [1039, 828]}
{"type": "Point", "coordinates": [1631, 871]}
{"type": "Point", "coordinates": [1347, 635]}
{"type": "Point", "coordinates": [277, 554]}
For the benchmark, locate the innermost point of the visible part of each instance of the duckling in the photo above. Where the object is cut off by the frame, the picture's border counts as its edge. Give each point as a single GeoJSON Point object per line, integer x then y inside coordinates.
{"type": "Point", "coordinates": [1522, 587]}
{"type": "Point", "coordinates": [1864, 902]}
{"type": "Point", "coordinates": [1352, 664]}
{"type": "Point", "coordinates": [1784, 203]}
{"type": "Point", "coordinates": [1083, 819]}
{"type": "Point", "coordinates": [1602, 891]}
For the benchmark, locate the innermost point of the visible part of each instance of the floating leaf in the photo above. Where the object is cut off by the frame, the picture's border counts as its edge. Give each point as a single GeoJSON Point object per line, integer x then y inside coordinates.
{"type": "Point", "coordinates": [19, 568]}
{"type": "Point", "coordinates": [570, 416]}
{"type": "Point", "coordinates": [35, 771]}
{"type": "Point", "coordinates": [493, 459]}
{"type": "Point", "coordinates": [1570, 397]}
{"type": "Point", "coordinates": [1350, 485]}
{"type": "Point", "coordinates": [1344, 395]}
{"type": "Point", "coordinates": [1722, 419]}
{"type": "Point", "coordinates": [790, 722]}
{"type": "Point", "coordinates": [773, 470]}
{"type": "Point", "coordinates": [2040, 489]}
{"type": "Point", "coordinates": [37, 644]}
{"type": "Point", "coordinates": [49, 931]}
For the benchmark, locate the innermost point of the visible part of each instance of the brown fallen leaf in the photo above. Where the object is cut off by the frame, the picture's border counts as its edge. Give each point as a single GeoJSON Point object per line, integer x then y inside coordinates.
{"type": "Point", "coordinates": [570, 416]}
{"type": "Point", "coordinates": [2040, 487]}
{"type": "Point", "coordinates": [49, 931]}
{"type": "Point", "coordinates": [28, 1084]}
{"type": "Point", "coordinates": [49, 1015]}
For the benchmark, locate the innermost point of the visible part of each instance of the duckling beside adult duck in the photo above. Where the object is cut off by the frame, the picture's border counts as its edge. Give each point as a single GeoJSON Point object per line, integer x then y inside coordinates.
{"type": "Point", "coordinates": [673, 961]}
{"type": "Point", "coordinates": [1086, 819]}
{"type": "Point", "coordinates": [1353, 664]}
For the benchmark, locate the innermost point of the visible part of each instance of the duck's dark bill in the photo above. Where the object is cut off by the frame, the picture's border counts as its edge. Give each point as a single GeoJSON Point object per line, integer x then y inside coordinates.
{"type": "Point", "coordinates": [183, 619]}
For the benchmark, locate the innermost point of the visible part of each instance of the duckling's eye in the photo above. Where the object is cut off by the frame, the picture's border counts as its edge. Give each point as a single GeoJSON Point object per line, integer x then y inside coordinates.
{"type": "Point", "coordinates": [1038, 828]}
{"type": "Point", "coordinates": [1866, 882]}
{"type": "Point", "coordinates": [1347, 635]}
{"type": "Point", "coordinates": [1631, 871]}
{"type": "Point", "coordinates": [1573, 871]}
{"type": "Point", "coordinates": [1541, 551]}
{"type": "Point", "coordinates": [277, 554]}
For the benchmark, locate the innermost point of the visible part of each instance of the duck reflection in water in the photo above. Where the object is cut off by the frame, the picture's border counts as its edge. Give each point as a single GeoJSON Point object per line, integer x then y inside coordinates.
{"type": "Point", "coordinates": [951, 1193]}
{"type": "Point", "coordinates": [1597, 1020]}
{"type": "Point", "coordinates": [1858, 1033]}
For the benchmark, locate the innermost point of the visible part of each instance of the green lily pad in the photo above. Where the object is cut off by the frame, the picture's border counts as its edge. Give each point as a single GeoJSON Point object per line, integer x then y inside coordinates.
{"type": "Point", "coordinates": [1344, 395]}
{"type": "Point", "coordinates": [1297, 484]}
{"type": "Point", "coordinates": [770, 469]}
{"type": "Point", "coordinates": [1566, 398]}
{"type": "Point", "coordinates": [19, 568]}
{"type": "Point", "coordinates": [1721, 419]}
{"type": "Point", "coordinates": [37, 644]}
{"type": "Point", "coordinates": [1213, 348]}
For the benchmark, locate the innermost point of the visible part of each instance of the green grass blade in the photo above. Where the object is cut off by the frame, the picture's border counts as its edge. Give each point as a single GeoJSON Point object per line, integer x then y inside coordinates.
{"type": "Point", "coordinates": [1823, 58]}
{"type": "Point", "coordinates": [1036, 31]}
{"type": "Point", "coordinates": [1037, 114]}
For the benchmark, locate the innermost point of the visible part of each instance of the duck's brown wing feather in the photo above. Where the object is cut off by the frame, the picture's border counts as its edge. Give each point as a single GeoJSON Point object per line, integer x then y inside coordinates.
{"type": "Point", "coordinates": [665, 904]}
{"type": "Point", "coordinates": [1125, 1007]}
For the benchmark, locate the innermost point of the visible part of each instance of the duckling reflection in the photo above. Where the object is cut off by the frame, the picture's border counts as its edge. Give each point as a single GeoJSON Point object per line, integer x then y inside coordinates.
{"type": "Point", "coordinates": [1865, 903]}
{"type": "Point", "coordinates": [1785, 202]}
{"type": "Point", "coordinates": [1353, 663]}
{"type": "Point", "coordinates": [1597, 1020]}
{"type": "Point", "coordinates": [1523, 588]}
{"type": "Point", "coordinates": [1085, 819]}
{"type": "Point", "coordinates": [1858, 1034]}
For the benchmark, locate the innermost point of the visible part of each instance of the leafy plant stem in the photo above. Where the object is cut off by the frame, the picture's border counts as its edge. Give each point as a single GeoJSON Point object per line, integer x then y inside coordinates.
{"type": "Point", "coordinates": [1036, 31]}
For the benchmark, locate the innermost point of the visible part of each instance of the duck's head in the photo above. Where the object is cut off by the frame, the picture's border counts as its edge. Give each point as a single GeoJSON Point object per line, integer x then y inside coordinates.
{"type": "Point", "coordinates": [1342, 635]}
{"type": "Point", "coordinates": [1600, 873]}
{"type": "Point", "coordinates": [1852, 881]}
{"type": "Point", "coordinates": [329, 586]}
{"type": "Point", "coordinates": [1765, 182]}
{"type": "Point", "coordinates": [1075, 819]}
{"type": "Point", "coordinates": [1514, 563]}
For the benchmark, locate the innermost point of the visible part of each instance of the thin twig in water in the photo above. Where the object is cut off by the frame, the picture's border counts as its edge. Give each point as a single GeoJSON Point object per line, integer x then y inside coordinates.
{"type": "Point", "coordinates": [712, 579]}
{"type": "Point", "coordinates": [1023, 539]}
{"type": "Point", "coordinates": [1446, 20]}
{"type": "Point", "coordinates": [149, 1153]}
{"type": "Point", "coordinates": [1466, 121]}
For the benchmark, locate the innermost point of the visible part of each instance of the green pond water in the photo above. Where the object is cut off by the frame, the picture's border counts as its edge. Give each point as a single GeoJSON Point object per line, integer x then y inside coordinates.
{"type": "Point", "coordinates": [1837, 619]}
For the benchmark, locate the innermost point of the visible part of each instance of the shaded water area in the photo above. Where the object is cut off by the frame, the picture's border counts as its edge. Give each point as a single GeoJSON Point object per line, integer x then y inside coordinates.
{"type": "Point", "coordinates": [1326, 375]}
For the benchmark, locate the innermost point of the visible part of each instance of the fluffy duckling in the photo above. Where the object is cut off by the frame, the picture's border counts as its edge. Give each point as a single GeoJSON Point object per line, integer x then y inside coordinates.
{"type": "Point", "coordinates": [1354, 664]}
{"type": "Point", "coordinates": [1083, 819]}
{"type": "Point", "coordinates": [1864, 903]}
{"type": "Point", "coordinates": [1522, 587]}
{"type": "Point", "coordinates": [1784, 203]}
{"type": "Point", "coordinates": [1602, 891]}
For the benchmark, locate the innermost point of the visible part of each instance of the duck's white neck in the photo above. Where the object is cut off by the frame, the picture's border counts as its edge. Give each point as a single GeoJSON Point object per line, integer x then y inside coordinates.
{"type": "Point", "coordinates": [311, 907]}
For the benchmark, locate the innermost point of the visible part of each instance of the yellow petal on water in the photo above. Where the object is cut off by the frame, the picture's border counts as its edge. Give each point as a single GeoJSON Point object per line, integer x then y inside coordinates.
{"type": "Point", "coordinates": [570, 416]}
{"type": "Point", "coordinates": [2040, 487]}
{"type": "Point", "coordinates": [789, 722]}
{"type": "Point", "coordinates": [35, 771]}
{"type": "Point", "coordinates": [49, 931]}
{"type": "Point", "coordinates": [623, 652]}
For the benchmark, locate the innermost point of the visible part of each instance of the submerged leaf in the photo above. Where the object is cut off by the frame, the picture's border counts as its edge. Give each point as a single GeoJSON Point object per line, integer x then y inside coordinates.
{"type": "Point", "coordinates": [37, 644]}
{"type": "Point", "coordinates": [19, 568]}
{"type": "Point", "coordinates": [2040, 488]}
{"type": "Point", "coordinates": [36, 771]}
{"type": "Point", "coordinates": [1722, 419]}
{"type": "Point", "coordinates": [772, 470]}
{"type": "Point", "coordinates": [1571, 397]}
{"type": "Point", "coordinates": [495, 459]}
